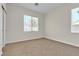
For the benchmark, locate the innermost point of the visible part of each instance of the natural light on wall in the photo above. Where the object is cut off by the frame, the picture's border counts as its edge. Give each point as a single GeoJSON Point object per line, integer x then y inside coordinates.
{"type": "Point", "coordinates": [75, 20]}
{"type": "Point", "coordinates": [30, 23]}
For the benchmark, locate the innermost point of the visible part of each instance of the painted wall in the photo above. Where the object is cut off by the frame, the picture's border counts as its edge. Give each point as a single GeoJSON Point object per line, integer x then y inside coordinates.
{"type": "Point", "coordinates": [0, 29]}
{"type": "Point", "coordinates": [58, 25]}
{"type": "Point", "coordinates": [15, 29]}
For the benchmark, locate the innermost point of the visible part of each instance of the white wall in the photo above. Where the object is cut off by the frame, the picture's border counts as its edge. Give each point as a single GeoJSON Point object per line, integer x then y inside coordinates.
{"type": "Point", "coordinates": [15, 30]}
{"type": "Point", "coordinates": [58, 25]}
{"type": "Point", "coordinates": [0, 29]}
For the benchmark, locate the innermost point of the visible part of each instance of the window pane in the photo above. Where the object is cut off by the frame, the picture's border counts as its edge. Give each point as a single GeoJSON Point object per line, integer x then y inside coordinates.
{"type": "Point", "coordinates": [34, 24]}
{"type": "Point", "coordinates": [27, 23]}
{"type": "Point", "coordinates": [75, 20]}
{"type": "Point", "coordinates": [75, 16]}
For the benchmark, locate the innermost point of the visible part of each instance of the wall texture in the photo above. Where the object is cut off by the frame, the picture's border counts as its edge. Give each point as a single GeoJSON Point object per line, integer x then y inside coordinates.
{"type": "Point", "coordinates": [15, 29]}
{"type": "Point", "coordinates": [0, 29]}
{"type": "Point", "coordinates": [58, 25]}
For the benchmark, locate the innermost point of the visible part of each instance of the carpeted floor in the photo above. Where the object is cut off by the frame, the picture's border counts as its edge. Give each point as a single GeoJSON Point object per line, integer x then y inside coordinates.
{"type": "Point", "coordinates": [40, 47]}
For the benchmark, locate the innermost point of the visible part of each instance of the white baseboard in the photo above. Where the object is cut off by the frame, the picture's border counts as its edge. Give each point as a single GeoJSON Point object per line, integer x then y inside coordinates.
{"type": "Point", "coordinates": [62, 41]}
{"type": "Point", "coordinates": [48, 37]}
{"type": "Point", "coordinates": [31, 38]}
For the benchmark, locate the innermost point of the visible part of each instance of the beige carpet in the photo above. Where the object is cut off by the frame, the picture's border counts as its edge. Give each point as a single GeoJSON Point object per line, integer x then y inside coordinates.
{"type": "Point", "coordinates": [40, 47]}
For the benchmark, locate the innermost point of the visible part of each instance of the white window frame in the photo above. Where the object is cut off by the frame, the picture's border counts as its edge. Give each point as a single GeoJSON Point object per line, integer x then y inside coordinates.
{"type": "Point", "coordinates": [74, 24]}
{"type": "Point", "coordinates": [32, 24]}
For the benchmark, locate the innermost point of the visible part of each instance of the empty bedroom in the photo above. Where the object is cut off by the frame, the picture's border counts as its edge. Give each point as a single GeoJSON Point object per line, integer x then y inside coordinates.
{"type": "Point", "coordinates": [40, 29]}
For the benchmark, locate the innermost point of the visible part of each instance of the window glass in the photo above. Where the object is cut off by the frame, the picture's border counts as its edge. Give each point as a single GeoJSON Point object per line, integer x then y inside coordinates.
{"type": "Point", "coordinates": [34, 24]}
{"type": "Point", "coordinates": [30, 23]}
{"type": "Point", "coordinates": [75, 20]}
{"type": "Point", "coordinates": [27, 23]}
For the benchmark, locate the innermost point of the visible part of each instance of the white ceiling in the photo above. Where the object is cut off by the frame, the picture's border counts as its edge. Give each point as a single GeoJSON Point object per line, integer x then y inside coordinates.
{"type": "Point", "coordinates": [42, 7]}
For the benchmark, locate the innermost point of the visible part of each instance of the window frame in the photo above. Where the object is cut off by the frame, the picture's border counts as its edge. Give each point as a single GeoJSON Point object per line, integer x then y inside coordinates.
{"type": "Point", "coordinates": [25, 30]}
{"type": "Point", "coordinates": [73, 25]}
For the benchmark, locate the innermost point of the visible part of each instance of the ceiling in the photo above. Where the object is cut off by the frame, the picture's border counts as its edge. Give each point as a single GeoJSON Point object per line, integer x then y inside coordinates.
{"type": "Point", "coordinates": [42, 7]}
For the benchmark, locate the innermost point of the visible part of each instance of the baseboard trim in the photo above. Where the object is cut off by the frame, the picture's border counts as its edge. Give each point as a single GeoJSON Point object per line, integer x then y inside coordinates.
{"type": "Point", "coordinates": [44, 38]}
{"type": "Point", "coordinates": [71, 44]}
{"type": "Point", "coordinates": [25, 40]}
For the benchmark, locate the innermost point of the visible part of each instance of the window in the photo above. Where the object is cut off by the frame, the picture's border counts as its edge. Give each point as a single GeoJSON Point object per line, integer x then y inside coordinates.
{"type": "Point", "coordinates": [30, 23]}
{"type": "Point", "coordinates": [75, 20]}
